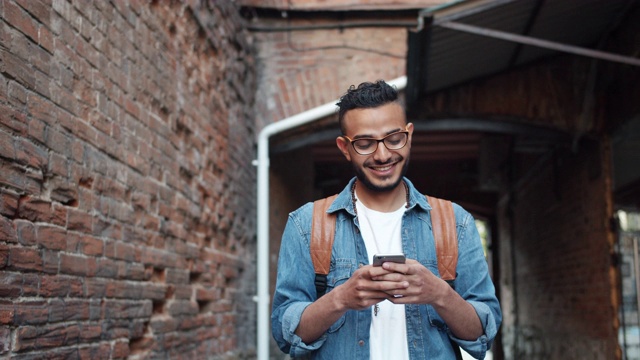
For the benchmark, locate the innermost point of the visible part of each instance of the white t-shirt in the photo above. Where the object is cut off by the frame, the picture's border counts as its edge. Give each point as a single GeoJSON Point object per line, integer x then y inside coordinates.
{"type": "Point", "coordinates": [381, 234]}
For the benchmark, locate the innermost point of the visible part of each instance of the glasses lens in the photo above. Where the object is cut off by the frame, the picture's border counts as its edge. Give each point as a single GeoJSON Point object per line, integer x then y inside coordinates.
{"type": "Point", "coordinates": [365, 146]}
{"type": "Point", "coordinates": [395, 141]}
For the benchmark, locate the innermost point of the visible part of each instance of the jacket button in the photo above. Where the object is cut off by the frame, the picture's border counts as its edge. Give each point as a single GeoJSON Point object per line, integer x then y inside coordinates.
{"type": "Point", "coordinates": [361, 342]}
{"type": "Point", "coordinates": [360, 265]}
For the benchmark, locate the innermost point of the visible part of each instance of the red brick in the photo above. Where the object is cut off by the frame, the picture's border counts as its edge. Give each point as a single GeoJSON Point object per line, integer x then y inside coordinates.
{"type": "Point", "coordinates": [126, 309]}
{"type": "Point", "coordinates": [106, 268]}
{"type": "Point", "coordinates": [7, 231]}
{"type": "Point", "coordinates": [37, 128]}
{"type": "Point", "coordinates": [14, 116]}
{"type": "Point", "coordinates": [124, 290]}
{"type": "Point", "coordinates": [15, 177]}
{"type": "Point", "coordinates": [182, 292]}
{"type": "Point", "coordinates": [8, 203]}
{"type": "Point", "coordinates": [59, 165]}
{"type": "Point", "coordinates": [42, 109]}
{"type": "Point", "coordinates": [182, 308]}
{"type": "Point", "coordinates": [34, 209]}
{"type": "Point", "coordinates": [17, 68]}
{"type": "Point", "coordinates": [30, 284]}
{"type": "Point", "coordinates": [31, 154]}
{"type": "Point", "coordinates": [134, 271]}
{"type": "Point", "coordinates": [26, 338]}
{"type": "Point", "coordinates": [21, 20]}
{"type": "Point", "coordinates": [124, 251]}
{"type": "Point", "coordinates": [40, 58]}
{"type": "Point", "coordinates": [90, 245]}
{"type": "Point", "coordinates": [94, 351]}
{"type": "Point", "coordinates": [7, 148]}
{"type": "Point", "coordinates": [62, 191]}
{"type": "Point", "coordinates": [57, 286]}
{"type": "Point", "coordinates": [26, 232]}
{"type": "Point", "coordinates": [207, 294]}
{"type": "Point", "coordinates": [7, 312]}
{"type": "Point", "coordinates": [107, 229]}
{"type": "Point", "coordinates": [49, 336]}
{"type": "Point", "coordinates": [163, 324]}
{"type": "Point", "coordinates": [52, 237]}
{"type": "Point", "coordinates": [79, 220]}
{"type": "Point", "coordinates": [90, 332]}
{"type": "Point", "coordinates": [25, 259]}
{"type": "Point", "coordinates": [96, 288]}
{"type": "Point", "coordinates": [4, 255]}
{"type": "Point", "coordinates": [154, 291]}
{"type": "Point", "coordinates": [68, 310]}
{"type": "Point", "coordinates": [58, 215]}
{"type": "Point", "coordinates": [31, 312]}
{"type": "Point", "coordinates": [45, 39]}
{"type": "Point", "coordinates": [77, 265]}
{"type": "Point", "coordinates": [120, 350]}
{"type": "Point", "coordinates": [50, 261]}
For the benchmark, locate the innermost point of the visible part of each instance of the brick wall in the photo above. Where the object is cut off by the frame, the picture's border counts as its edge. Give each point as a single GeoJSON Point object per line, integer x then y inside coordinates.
{"type": "Point", "coordinates": [558, 288]}
{"type": "Point", "coordinates": [300, 70]}
{"type": "Point", "coordinates": [559, 278]}
{"type": "Point", "coordinates": [126, 191]}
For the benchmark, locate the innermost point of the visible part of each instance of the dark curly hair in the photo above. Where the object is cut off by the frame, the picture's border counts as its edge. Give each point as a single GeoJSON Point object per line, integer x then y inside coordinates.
{"type": "Point", "coordinates": [366, 95]}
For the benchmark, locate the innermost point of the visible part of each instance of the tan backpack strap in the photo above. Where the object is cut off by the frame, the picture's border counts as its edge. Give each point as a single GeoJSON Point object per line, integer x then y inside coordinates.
{"type": "Point", "coordinates": [443, 223]}
{"type": "Point", "coordinates": [323, 228]}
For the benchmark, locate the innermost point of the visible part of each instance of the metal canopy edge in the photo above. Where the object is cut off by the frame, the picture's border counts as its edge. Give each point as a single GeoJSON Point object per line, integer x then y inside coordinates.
{"type": "Point", "coordinates": [546, 44]}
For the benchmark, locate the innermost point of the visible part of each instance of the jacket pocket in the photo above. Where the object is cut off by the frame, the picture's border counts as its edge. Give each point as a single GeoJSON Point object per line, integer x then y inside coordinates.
{"type": "Point", "coordinates": [339, 272]}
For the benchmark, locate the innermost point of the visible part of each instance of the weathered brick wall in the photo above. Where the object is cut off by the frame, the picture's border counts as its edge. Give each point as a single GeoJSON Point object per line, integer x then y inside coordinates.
{"type": "Point", "coordinates": [559, 278]}
{"type": "Point", "coordinates": [300, 70]}
{"type": "Point", "coordinates": [126, 192]}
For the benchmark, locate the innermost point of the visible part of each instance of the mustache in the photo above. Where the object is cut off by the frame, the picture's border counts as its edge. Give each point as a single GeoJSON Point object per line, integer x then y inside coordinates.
{"type": "Point", "coordinates": [374, 162]}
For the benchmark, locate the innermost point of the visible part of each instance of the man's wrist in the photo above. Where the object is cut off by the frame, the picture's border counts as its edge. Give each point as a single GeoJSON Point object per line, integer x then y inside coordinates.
{"type": "Point", "coordinates": [446, 295]}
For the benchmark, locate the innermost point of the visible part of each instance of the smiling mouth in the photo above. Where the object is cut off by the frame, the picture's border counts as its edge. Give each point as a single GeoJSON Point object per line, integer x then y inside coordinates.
{"type": "Point", "coordinates": [382, 168]}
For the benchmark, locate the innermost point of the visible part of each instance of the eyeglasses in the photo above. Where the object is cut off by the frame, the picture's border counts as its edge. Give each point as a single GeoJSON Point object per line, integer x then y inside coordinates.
{"type": "Point", "coordinates": [367, 146]}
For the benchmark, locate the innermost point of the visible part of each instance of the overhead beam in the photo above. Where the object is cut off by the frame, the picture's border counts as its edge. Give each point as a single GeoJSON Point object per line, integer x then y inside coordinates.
{"type": "Point", "coordinates": [528, 40]}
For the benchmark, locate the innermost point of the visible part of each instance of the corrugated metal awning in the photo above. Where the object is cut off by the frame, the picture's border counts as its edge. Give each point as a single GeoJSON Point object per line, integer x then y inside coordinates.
{"type": "Point", "coordinates": [475, 39]}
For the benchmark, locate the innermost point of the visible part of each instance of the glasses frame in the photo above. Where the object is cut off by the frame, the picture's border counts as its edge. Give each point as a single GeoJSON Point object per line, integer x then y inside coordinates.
{"type": "Point", "coordinates": [378, 141]}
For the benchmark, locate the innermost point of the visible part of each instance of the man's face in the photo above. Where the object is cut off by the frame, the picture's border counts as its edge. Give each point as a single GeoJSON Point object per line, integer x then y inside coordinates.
{"type": "Point", "coordinates": [383, 169]}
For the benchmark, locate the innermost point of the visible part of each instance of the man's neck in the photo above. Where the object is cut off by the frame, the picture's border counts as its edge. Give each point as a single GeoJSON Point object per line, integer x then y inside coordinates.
{"type": "Point", "coordinates": [385, 201]}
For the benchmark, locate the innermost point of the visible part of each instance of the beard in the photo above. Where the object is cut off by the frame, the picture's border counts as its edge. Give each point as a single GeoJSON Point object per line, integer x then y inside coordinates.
{"type": "Point", "coordinates": [366, 181]}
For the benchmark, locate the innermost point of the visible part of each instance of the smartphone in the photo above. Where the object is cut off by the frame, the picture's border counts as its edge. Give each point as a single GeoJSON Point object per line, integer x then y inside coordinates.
{"type": "Point", "coordinates": [396, 258]}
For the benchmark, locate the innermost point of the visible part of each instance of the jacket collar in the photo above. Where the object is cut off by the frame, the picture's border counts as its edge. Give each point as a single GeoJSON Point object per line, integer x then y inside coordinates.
{"type": "Point", "coordinates": [343, 201]}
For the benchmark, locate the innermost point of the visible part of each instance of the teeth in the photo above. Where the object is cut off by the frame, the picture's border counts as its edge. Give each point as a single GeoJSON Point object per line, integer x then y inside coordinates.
{"type": "Point", "coordinates": [384, 168]}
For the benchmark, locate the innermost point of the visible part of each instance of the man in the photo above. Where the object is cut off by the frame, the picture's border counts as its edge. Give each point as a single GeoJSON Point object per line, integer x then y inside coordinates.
{"type": "Point", "coordinates": [393, 311]}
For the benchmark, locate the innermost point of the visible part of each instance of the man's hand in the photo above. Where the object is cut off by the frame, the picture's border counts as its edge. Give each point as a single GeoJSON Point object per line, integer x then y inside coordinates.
{"type": "Point", "coordinates": [423, 287]}
{"type": "Point", "coordinates": [359, 292]}
{"type": "Point", "coordinates": [416, 284]}
{"type": "Point", "coordinates": [367, 287]}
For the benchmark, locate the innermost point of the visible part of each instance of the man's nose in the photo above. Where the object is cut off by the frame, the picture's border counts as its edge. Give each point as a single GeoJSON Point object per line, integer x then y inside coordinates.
{"type": "Point", "coordinates": [381, 153]}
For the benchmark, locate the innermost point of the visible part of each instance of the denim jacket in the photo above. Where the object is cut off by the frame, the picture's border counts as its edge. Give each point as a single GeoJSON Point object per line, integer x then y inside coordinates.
{"type": "Point", "coordinates": [348, 338]}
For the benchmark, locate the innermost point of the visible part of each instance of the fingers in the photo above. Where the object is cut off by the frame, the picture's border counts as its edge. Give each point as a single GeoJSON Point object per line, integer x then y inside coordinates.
{"type": "Point", "coordinates": [407, 269]}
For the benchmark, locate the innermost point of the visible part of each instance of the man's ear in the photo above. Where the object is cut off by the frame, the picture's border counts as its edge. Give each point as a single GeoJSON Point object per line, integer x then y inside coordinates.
{"type": "Point", "coordinates": [343, 145]}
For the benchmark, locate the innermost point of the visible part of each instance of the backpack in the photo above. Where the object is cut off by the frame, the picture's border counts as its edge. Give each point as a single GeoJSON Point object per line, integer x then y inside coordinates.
{"type": "Point", "coordinates": [443, 224]}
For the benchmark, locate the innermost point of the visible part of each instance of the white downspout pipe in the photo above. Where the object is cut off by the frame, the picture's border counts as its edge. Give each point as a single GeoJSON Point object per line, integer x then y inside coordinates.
{"type": "Point", "coordinates": [262, 297]}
